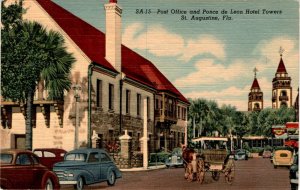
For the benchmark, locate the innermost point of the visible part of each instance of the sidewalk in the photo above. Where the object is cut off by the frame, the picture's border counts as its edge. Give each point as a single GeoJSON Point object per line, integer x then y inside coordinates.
{"type": "Point", "coordinates": [143, 169]}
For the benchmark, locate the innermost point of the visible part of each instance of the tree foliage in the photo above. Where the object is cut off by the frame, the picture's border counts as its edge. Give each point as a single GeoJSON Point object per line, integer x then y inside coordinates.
{"type": "Point", "coordinates": [31, 54]}
{"type": "Point", "coordinates": [226, 120]}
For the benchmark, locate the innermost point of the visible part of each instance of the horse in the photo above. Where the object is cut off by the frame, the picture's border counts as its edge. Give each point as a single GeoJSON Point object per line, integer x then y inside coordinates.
{"type": "Point", "coordinates": [188, 155]}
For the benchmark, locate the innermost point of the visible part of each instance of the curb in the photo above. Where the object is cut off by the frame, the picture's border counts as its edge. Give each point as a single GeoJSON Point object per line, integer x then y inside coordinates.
{"type": "Point", "coordinates": [143, 169]}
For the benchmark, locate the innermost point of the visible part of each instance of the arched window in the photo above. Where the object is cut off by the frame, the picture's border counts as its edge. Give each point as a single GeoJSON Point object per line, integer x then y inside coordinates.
{"type": "Point", "coordinates": [283, 93]}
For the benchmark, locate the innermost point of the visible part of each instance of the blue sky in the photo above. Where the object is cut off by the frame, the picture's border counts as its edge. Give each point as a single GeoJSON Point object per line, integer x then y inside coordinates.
{"type": "Point", "coordinates": [208, 59]}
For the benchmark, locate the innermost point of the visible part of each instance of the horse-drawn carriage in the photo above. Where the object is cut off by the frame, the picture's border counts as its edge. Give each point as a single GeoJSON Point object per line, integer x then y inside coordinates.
{"type": "Point", "coordinates": [211, 157]}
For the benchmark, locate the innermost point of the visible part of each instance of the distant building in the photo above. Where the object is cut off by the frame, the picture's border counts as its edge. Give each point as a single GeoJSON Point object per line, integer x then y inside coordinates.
{"type": "Point", "coordinates": [255, 97]}
{"type": "Point", "coordinates": [281, 89]}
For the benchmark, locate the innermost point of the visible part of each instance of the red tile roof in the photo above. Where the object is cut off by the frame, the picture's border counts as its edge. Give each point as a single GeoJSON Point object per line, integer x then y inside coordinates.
{"type": "Point", "coordinates": [255, 84]}
{"type": "Point", "coordinates": [92, 42]}
{"type": "Point", "coordinates": [281, 67]}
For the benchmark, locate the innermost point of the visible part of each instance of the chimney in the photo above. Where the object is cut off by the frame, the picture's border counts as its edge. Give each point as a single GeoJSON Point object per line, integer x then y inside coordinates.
{"type": "Point", "coordinates": [113, 39]}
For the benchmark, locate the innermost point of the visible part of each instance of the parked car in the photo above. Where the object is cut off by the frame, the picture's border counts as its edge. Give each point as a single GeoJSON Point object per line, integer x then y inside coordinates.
{"type": "Point", "coordinates": [20, 169]}
{"type": "Point", "coordinates": [241, 155]}
{"type": "Point", "coordinates": [266, 154]}
{"type": "Point", "coordinates": [49, 156]}
{"type": "Point", "coordinates": [294, 173]}
{"type": "Point", "coordinates": [86, 166]}
{"type": "Point", "coordinates": [271, 157]}
{"type": "Point", "coordinates": [282, 158]}
{"type": "Point", "coordinates": [175, 159]}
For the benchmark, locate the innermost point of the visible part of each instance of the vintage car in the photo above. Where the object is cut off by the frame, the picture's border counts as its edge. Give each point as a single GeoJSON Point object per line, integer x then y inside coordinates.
{"type": "Point", "coordinates": [282, 158]}
{"type": "Point", "coordinates": [20, 169]}
{"type": "Point", "coordinates": [241, 155]}
{"type": "Point", "coordinates": [175, 159]}
{"type": "Point", "coordinates": [294, 173]}
{"type": "Point", "coordinates": [86, 166]}
{"type": "Point", "coordinates": [49, 156]}
{"type": "Point", "coordinates": [267, 154]}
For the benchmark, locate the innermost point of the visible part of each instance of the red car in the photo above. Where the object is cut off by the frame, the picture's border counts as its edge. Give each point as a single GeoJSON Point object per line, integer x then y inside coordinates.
{"type": "Point", "coordinates": [20, 169]}
{"type": "Point", "coordinates": [49, 156]}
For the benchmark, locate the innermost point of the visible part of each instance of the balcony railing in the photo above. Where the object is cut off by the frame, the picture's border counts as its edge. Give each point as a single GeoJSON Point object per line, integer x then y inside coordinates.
{"type": "Point", "coordinates": [164, 115]}
{"type": "Point", "coordinates": [283, 98]}
{"type": "Point", "coordinates": [39, 101]}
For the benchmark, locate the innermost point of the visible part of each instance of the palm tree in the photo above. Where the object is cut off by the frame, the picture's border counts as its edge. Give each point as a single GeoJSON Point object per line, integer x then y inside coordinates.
{"type": "Point", "coordinates": [56, 72]}
{"type": "Point", "coordinates": [229, 113]}
{"type": "Point", "coordinates": [31, 54]}
{"type": "Point", "coordinates": [212, 117]}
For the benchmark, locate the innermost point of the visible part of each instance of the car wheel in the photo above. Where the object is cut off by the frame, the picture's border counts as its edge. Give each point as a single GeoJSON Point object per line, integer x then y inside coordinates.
{"type": "Point", "coordinates": [294, 186]}
{"type": "Point", "coordinates": [49, 185]}
{"type": "Point", "coordinates": [111, 178]}
{"type": "Point", "coordinates": [80, 183]}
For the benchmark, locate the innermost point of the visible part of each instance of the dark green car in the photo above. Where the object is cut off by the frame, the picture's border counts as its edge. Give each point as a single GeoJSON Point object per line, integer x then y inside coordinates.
{"type": "Point", "coordinates": [86, 166]}
{"type": "Point", "coordinates": [294, 173]}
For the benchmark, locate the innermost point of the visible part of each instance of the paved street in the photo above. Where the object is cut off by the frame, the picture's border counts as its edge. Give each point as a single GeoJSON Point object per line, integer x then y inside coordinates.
{"type": "Point", "coordinates": [256, 173]}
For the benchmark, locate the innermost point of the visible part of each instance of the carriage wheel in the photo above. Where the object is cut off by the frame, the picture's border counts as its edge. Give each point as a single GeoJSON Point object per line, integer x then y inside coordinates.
{"type": "Point", "coordinates": [229, 174]}
{"type": "Point", "coordinates": [200, 171]}
{"type": "Point", "coordinates": [189, 172]}
{"type": "Point", "coordinates": [215, 175]}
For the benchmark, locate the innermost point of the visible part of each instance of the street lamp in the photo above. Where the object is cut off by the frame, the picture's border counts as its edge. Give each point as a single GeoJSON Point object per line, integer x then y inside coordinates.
{"type": "Point", "coordinates": [76, 88]}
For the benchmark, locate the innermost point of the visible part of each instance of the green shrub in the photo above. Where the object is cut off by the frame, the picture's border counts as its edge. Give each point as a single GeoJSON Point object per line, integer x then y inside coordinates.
{"type": "Point", "coordinates": [246, 146]}
{"type": "Point", "coordinates": [257, 150]}
{"type": "Point", "coordinates": [159, 157]}
{"type": "Point", "coordinates": [268, 147]}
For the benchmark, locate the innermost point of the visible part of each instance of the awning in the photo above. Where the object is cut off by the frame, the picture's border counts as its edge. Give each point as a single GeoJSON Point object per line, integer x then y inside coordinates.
{"type": "Point", "coordinates": [292, 125]}
{"type": "Point", "coordinates": [210, 139]}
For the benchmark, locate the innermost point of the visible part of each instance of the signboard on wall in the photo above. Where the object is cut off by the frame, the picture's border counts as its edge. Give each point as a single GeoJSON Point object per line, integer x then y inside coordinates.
{"type": "Point", "coordinates": [279, 131]}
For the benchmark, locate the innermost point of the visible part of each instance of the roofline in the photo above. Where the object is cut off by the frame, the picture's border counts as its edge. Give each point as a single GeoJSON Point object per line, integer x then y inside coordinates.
{"type": "Point", "coordinates": [210, 138]}
{"type": "Point", "coordinates": [113, 73]}
{"type": "Point", "coordinates": [134, 82]}
{"type": "Point", "coordinates": [183, 102]}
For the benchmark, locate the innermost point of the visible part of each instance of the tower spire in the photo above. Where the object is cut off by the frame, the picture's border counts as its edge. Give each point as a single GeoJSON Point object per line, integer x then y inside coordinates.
{"type": "Point", "coordinates": [255, 71]}
{"type": "Point", "coordinates": [281, 50]}
{"type": "Point", "coordinates": [281, 86]}
{"type": "Point", "coordinates": [255, 97]}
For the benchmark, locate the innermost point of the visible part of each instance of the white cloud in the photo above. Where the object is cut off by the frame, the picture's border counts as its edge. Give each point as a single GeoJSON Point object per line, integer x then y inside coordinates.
{"type": "Point", "coordinates": [207, 72]}
{"type": "Point", "coordinates": [204, 44]}
{"type": "Point", "coordinates": [161, 42]}
{"type": "Point", "coordinates": [156, 39]}
{"type": "Point", "coordinates": [235, 96]}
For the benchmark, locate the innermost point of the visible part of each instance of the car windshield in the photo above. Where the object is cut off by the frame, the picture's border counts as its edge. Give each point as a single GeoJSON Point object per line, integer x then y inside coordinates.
{"type": "Point", "coordinates": [177, 151]}
{"type": "Point", "coordinates": [76, 156]}
{"type": "Point", "coordinates": [6, 158]}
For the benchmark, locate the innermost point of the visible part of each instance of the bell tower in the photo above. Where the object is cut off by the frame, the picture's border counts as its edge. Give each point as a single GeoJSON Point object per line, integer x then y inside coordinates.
{"type": "Point", "coordinates": [281, 90]}
{"type": "Point", "coordinates": [255, 97]}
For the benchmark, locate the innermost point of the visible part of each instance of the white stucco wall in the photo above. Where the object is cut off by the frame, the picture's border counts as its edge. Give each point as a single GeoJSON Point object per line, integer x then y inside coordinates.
{"type": "Point", "coordinates": [53, 136]}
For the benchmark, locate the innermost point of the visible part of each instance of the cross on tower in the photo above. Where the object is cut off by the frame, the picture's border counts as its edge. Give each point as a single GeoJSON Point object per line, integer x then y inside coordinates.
{"type": "Point", "coordinates": [281, 50]}
{"type": "Point", "coordinates": [255, 70]}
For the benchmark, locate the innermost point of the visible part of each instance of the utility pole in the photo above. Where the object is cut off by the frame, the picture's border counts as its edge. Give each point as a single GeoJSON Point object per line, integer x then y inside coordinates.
{"type": "Point", "coordinates": [77, 89]}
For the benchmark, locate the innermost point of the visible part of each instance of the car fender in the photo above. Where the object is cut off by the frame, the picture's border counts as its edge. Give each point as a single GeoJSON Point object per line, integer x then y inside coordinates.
{"type": "Point", "coordinates": [53, 177]}
{"type": "Point", "coordinates": [115, 170]}
{"type": "Point", "coordinates": [87, 175]}
{"type": "Point", "coordinates": [5, 184]}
